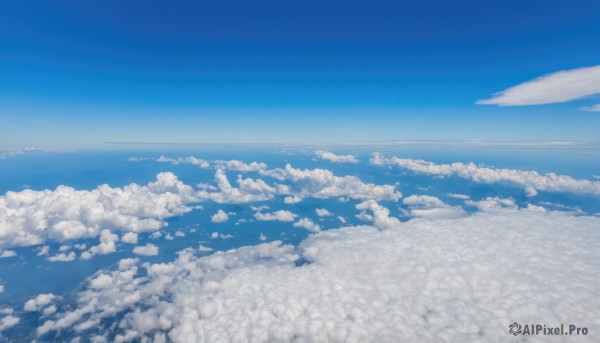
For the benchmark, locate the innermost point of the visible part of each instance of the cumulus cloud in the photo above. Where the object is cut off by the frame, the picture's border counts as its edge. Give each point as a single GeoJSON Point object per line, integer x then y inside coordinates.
{"type": "Point", "coordinates": [146, 250]}
{"type": "Point", "coordinates": [281, 216]}
{"type": "Point", "coordinates": [307, 224]}
{"type": "Point", "coordinates": [7, 320]}
{"type": "Point", "coordinates": [380, 216]}
{"type": "Point", "coordinates": [323, 212]}
{"type": "Point", "coordinates": [326, 155]}
{"type": "Point", "coordinates": [248, 190]}
{"type": "Point", "coordinates": [557, 87]}
{"type": "Point", "coordinates": [32, 217]}
{"type": "Point", "coordinates": [39, 302]}
{"type": "Point", "coordinates": [425, 206]}
{"type": "Point", "coordinates": [130, 237]}
{"type": "Point", "coordinates": [427, 280]}
{"type": "Point", "coordinates": [530, 181]}
{"type": "Point", "coordinates": [322, 183]}
{"type": "Point", "coordinates": [219, 217]}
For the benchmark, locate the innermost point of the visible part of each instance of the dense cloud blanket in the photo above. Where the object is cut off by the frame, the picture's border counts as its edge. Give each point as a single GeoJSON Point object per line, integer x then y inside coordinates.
{"type": "Point", "coordinates": [461, 279]}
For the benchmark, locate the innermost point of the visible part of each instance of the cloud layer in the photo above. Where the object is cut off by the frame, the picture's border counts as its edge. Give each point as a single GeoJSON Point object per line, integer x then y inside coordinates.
{"type": "Point", "coordinates": [425, 280]}
{"type": "Point", "coordinates": [530, 181]}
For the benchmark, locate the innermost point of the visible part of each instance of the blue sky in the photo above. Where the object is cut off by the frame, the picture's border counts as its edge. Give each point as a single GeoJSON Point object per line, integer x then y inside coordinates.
{"type": "Point", "coordinates": [77, 74]}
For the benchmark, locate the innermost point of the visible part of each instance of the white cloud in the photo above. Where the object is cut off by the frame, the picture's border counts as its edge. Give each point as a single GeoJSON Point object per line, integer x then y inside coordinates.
{"type": "Point", "coordinates": [130, 237]}
{"type": "Point", "coordinates": [8, 253]}
{"type": "Point", "coordinates": [557, 87]}
{"type": "Point", "coordinates": [39, 302]}
{"type": "Point", "coordinates": [322, 183]}
{"type": "Point", "coordinates": [43, 251]}
{"type": "Point", "coordinates": [12, 152]}
{"type": "Point", "coordinates": [291, 200]}
{"type": "Point", "coordinates": [219, 217]}
{"type": "Point", "coordinates": [281, 216]}
{"type": "Point", "coordinates": [8, 321]}
{"type": "Point", "coordinates": [428, 280]}
{"type": "Point", "coordinates": [184, 160]}
{"type": "Point", "coordinates": [530, 181]}
{"type": "Point", "coordinates": [240, 166]}
{"type": "Point", "coordinates": [32, 217]}
{"type": "Point", "coordinates": [307, 224]}
{"type": "Point", "coordinates": [323, 212]}
{"type": "Point", "coordinates": [593, 108]}
{"type": "Point", "coordinates": [492, 203]}
{"type": "Point", "coordinates": [146, 250]}
{"type": "Point", "coordinates": [380, 215]}
{"type": "Point", "coordinates": [249, 190]}
{"type": "Point", "coordinates": [458, 196]}
{"type": "Point", "coordinates": [326, 155]}
{"type": "Point", "coordinates": [425, 206]}
{"type": "Point", "coordinates": [203, 248]}
{"type": "Point", "coordinates": [62, 257]}
{"type": "Point", "coordinates": [106, 246]}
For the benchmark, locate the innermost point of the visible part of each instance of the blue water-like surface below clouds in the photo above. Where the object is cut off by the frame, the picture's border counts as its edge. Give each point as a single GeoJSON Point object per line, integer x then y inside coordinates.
{"type": "Point", "coordinates": [27, 275]}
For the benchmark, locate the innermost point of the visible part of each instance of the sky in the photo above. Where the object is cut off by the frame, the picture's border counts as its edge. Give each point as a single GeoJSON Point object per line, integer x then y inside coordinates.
{"type": "Point", "coordinates": [78, 74]}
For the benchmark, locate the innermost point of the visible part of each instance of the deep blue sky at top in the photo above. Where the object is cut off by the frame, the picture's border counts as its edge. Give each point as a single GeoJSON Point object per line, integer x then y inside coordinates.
{"type": "Point", "coordinates": [79, 73]}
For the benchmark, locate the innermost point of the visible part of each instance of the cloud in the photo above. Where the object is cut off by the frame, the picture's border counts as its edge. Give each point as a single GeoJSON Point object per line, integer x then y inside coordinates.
{"type": "Point", "coordinates": [492, 203]}
{"type": "Point", "coordinates": [281, 216]}
{"type": "Point", "coordinates": [130, 237]}
{"type": "Point", "coordinates": [593, 108]}
{"type": "Point", "coordinates": [5, 153]}
{"type": "Point", "coordinates": [530, 181]}
{"type": "Point", "coordinates": [552, 88]}
{"type": "Point", "coordinates": [248, 190]}
{"type": "Point", "coordinates": [323, 212]}
{"type": "Point", "coordinates": [62, 257]}
{"type": "Point", "coordinates": [322, 183]}
{"type": "Point", "coordinates": [307, 224]}
{"type": "Point", "coordinates": [146, 250]}
{"type": "Point", "coordinates": [240, 166]}
{"type": "Point", "coordinates": [426, 280]}
{"type": "Point", "coordinates": [219, 217]}
{"type": "Point", "coordinates": [184, 160]}
{"type": "Point", "coordinates": [39, 302]}
{"type": "Point", "coordinates": [8, 320]}
{"type": "Point", "coordinates": [425, 206]}
{"type": "Point", "coordinates": [32, 217]}
{"type": "Point", "coordinates": [326, 155]}
{"type": "Point", "coordinates": [458, 196]}
{"type": "Point", "coordinates": [380, 215]}
{"type": "Point", "coordinates": [8, 253]}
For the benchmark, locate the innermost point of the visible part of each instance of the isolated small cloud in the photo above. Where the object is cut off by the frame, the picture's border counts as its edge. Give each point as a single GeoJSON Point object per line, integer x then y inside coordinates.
{"type": "Point", "coordinates": [552, 88]}
{"type": "Point", "coordinates": [307, 224]}
{"type": "Point", "coordinates": [146, 250]}
{"type": "Point", "coordinates": [326, 155]}
{"type": "Point", "coordinates": [281, 216]}
{"type": "Point", "coordinates": [219, 217]}
{"type": "Point", "coordinates": [323, 212]}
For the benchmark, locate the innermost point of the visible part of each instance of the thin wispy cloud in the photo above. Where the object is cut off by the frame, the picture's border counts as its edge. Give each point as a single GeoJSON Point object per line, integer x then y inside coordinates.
{"type": "Point", "coordinates": [561, 86]}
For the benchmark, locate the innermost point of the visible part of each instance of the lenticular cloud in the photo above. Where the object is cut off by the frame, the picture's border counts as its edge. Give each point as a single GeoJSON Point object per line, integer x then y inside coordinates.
{"type": "Point", "coordinates": [461, 279]}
